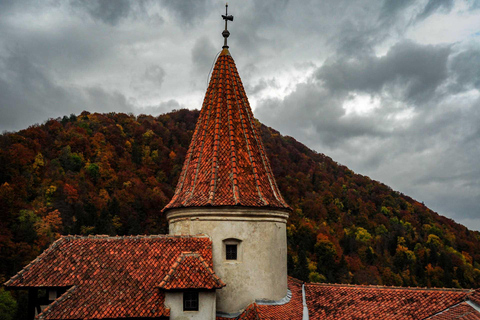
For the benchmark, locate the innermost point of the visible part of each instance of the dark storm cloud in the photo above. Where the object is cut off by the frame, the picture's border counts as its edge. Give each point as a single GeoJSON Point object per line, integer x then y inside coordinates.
{"type": "Point", "coordinates": [27, 90]}
{"type": "Point", "coordinates": [413, 70]}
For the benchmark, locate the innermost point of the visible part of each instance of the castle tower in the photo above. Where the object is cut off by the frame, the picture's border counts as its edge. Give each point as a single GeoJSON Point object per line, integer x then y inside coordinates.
{"type": "Point", "coordinates": [227, 190]}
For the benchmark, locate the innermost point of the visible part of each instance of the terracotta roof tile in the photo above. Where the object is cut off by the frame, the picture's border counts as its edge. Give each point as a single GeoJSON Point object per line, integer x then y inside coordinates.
{"type": "Point", "coordinates": [329, 301]}
{"type": "Point", "coordinates": [191, 271]}
{"type": "Point", "coordinates": [291, 310]}
{"type": "Point", "coordinates": [226, 163]}
{"type": "Point", "coordinates": [461, 311]}
{"type": "Point", "coordinates": [475, 297]}
{"type": "Point", "coordinates": [110, 277]}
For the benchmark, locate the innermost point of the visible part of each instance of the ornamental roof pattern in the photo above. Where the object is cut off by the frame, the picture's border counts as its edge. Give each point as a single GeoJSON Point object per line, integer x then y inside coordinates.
{"type": "Point", "coordinates": [226, 163]}
{"type": "Point", "coordinates": [109, 277]}
{"type": "Point", "coordinates": [330, 301]}
{"type": "Point", "coordinates": [191, 271]}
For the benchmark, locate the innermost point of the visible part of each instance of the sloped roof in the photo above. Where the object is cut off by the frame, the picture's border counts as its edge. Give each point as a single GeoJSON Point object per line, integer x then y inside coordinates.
{"type": "Point", "coordinates": [461, 311]}
{"type": "Point", "coordinates": [110, 277]}
{"type": "Point", "coordinates": [191, 271]}
{"type": "Point", "coordinates": [226, 163]}
{"type": "Point", "coordinates": [292, 310]}
{"type": "Point", "coordinates": [330, 301]}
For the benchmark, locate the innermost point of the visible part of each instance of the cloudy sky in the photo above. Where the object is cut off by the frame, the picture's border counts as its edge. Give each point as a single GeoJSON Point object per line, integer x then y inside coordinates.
{"type": "Point", "coordinates": [390, 88]}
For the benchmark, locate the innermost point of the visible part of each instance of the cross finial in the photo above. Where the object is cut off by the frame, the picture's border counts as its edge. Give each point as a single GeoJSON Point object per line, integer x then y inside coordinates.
{"type": "Point", "coordinates": [225, 32]}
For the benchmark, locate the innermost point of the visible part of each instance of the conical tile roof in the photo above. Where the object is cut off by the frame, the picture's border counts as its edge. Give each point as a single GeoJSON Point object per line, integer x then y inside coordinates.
{"type": "Point", "coordinates": [226, 163]}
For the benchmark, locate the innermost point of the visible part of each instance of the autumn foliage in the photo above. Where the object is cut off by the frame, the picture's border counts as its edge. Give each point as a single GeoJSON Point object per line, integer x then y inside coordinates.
{"type": "Point", "coordinates": [113, 173]}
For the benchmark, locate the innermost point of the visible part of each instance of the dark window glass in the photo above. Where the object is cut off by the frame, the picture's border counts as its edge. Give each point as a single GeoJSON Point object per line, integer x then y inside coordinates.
{"type": "Point", "coordinates": [231, 250]}
{"type": "Point", "coordinates": [190, 301]}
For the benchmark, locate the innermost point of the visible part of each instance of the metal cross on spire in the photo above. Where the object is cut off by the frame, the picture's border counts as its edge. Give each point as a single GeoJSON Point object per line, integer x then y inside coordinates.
{"type": "Point", "coordinates": [225, 32]}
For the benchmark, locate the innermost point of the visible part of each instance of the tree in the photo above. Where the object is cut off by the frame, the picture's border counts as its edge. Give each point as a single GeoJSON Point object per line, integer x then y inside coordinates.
{"type": "Point", "coordinates": [8, 305]}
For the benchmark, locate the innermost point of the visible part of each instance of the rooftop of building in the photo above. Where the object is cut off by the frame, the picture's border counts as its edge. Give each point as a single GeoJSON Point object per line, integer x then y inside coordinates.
{"type": "Point", "coordinates": [226, 163]}
{"type": "Point", "coordinates": [118, 277]}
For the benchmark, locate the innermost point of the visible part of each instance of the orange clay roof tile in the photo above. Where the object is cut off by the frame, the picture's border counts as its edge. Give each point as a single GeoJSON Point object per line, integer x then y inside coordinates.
{"type": "Point", "coordinates": [113, 277]}
{"type": "Point", "coordinates": [461, 311]}
{"type": "Point", "coordinates": [330, 301]}
{"type": "Point", "coordinates": [226, 163]}
{"type": "Point", "coordinates": [191, 271]}
{"type": "Point", "coordinates": [292, 310]}
{"type": "Point", "coordinates": [357, 302]}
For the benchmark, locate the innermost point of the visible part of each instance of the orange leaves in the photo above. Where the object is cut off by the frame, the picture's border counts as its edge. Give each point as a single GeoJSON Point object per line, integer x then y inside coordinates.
{"type": "Point", "coordinates": [71, 193]}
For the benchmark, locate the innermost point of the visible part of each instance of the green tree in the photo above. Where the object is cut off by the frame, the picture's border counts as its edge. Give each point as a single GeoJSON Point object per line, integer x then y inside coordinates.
{"type": "Point", "coordinates": [8, 305]}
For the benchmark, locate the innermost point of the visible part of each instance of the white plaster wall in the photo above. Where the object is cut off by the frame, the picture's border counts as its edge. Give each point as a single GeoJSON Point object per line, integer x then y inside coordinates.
{"type": "Point", "coordinates": [206, 306]}
{"type": "Point", "coordinates": [261, 272]}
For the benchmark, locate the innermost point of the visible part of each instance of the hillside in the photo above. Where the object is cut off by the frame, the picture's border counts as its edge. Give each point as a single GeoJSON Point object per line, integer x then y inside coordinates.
{"type": "Point", "coordinates": [113, 173]}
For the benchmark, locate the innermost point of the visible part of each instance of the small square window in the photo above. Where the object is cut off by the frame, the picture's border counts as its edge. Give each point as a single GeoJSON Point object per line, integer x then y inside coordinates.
{"type": "Point", "coordinates": [231, 251]}
{"type": "Point", "coordinates": [190, 301]}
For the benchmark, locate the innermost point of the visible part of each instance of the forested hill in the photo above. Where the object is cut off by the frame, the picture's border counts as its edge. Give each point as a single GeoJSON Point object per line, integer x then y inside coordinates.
{"type": "Point", "coordinates": [113, 173]}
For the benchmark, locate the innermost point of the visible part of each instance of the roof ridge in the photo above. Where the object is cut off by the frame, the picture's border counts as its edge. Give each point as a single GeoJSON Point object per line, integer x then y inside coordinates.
{"type": "Point", "coordinates": [247, 142]}
{"type": "Point", "coordinates": [180, 259]}
{"type": "Point", "coordinates": [233, 153]}
{"type": "Point", "coordinates": [363, 286]}
{"type": "Point", "coordinates": [216, 142]}
{"type": "Point", "coordinates": [198, 160]}
{"type": "Point", "coordinates": [145, 236]}
{"type": "Point", "coordinates": [34, 261]}
{"type": "Point", "coordinates": [48, 309]}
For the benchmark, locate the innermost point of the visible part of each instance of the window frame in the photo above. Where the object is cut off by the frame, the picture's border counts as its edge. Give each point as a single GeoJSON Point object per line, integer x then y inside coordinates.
{"type": "Point", "coordinates": [230, 253]}
{"type": "Point", "coordinates": [188, 298]}
{"type": "Point", "coordinates": [230, 242]}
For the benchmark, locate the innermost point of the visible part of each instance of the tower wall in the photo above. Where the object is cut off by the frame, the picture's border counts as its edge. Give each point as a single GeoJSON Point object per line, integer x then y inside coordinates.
{"type": "Point", "coordinates": [260, 271]}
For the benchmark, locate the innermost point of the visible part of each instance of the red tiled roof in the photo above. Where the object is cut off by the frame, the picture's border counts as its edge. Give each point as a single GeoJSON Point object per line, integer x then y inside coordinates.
{"type": "Point", "coordinates": [462, 311]}
{"type": "Point", "coordinates": [330, 301]}
{"type": "Point", "coordinates": [226, 163]}
{"type": "Point", "coordinates": [475, 297]}
{"type": "Point", "coordinates": [251, 313]}
{"type": "Point", "coordinates": [291, 310]}
{"type": "Point", "coordinates": [190, 271]}
{"type": "Point", "coordinates": [110, 277]}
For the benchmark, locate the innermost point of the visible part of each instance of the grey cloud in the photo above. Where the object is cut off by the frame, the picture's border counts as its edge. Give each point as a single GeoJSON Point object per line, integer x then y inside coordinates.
{"type": "Point", "coordinates": [155, 74]}
{"type": "Point", "coordinates": [392, 8]}
{"type": "Point", "coordinates": [314, 111]}
{"type": "Point", "coordinates": [260, 86]}
{"type": "Point", "coordinates": [107, 11]}
{"type": "Point", "coordinates": [28, 95]}
{"type": "Point", "coordinates": [465, 67]}
{"type": "Point", "coordinates": [267, 12]}
{"type": "Point", "coordinates": [355, 38]}
{"type": "Point", "coordinates": [413, 70]}
{"type": "Point", "coordinates": [162, 107]}
{"type": "Point", "coordinates": [188, 12]}
{"type": "Point", "coordinates": [435, 5]}
{"type": "Point", "coordinates": [203, 53]}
